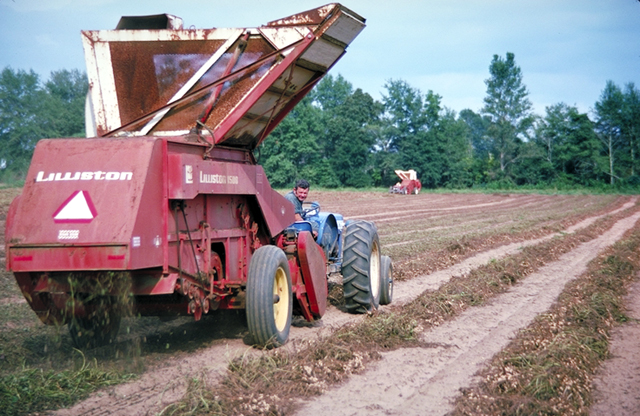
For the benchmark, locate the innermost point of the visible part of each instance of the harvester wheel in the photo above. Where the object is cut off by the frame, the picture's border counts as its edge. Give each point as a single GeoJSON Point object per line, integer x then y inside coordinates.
{"type": "Point", "coordinates": [99, 327]}
{"type": "Point", "coordinates": [361, 267]}
{"type": "Point", "coordinates": [386, 280]}
{"type": "Point", "coordinates": [269, 299]}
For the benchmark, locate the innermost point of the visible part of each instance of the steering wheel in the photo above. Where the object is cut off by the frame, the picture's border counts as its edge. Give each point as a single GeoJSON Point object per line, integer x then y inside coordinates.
{"type": "Point", "coordinates": [311, 211]}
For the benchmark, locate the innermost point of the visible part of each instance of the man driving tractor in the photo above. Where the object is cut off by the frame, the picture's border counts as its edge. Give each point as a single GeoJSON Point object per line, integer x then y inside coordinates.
{"type": "Point", "coordinates": [297, 197]}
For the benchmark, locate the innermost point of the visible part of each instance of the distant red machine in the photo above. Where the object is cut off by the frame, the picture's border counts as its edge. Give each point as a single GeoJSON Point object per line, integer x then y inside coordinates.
{"type": "Point", "coordinates": [409, 183]}
{"type": "Point", "coordinates": [165, 210]}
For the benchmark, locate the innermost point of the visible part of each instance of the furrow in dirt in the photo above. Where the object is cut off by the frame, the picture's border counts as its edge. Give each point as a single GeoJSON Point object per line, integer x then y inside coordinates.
{"type": "Point", "coordinates": [423, 381]}
{"type": "Point", "coordinates": [617, 384]}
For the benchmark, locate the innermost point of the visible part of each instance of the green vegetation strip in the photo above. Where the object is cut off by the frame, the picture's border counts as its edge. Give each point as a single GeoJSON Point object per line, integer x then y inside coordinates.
{"type": "Point", "coordinates": [548, 368]}
{"type": "Point", "coordinates": [34, 390]}
{"type": "Point", "coordinates": [272, 383]}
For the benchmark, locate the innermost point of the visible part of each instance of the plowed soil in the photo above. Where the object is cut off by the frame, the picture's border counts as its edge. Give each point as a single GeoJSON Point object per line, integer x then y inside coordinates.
{"type": "Point", "coordinates": [430, 238]}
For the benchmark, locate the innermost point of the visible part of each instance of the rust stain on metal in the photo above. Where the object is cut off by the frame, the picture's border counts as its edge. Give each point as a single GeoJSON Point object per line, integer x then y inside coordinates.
{"type": "Point", "coordinates": [309, 17]}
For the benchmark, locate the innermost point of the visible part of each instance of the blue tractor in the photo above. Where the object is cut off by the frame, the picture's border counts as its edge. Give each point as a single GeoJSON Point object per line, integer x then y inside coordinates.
{"type": "Point", "coordinates": [352, 248]}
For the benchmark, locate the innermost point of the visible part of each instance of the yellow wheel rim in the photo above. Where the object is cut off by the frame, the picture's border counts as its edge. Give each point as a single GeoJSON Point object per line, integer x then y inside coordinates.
{"type": "Point", "coordinates": [281, 293]}
{"type": "Point", "coordinates": [374, 270]}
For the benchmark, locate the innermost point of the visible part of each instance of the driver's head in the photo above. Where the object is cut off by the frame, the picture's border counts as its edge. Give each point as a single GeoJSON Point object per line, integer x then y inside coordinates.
{"type": "Point", "coordinates": [301, 189]}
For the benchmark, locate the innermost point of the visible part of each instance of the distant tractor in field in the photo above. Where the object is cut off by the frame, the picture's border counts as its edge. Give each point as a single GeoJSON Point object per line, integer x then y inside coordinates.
{"type": "Point", "coordinates": [409, 183]}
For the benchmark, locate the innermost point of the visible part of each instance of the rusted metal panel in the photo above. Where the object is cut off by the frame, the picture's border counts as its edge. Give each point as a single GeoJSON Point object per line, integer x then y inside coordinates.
{"type": "Point", "coordinates": [236, 82]}
{"type": "Point", "coordinates": [282, 37]}
{"type": "Point", "coordinates": [309, 17]}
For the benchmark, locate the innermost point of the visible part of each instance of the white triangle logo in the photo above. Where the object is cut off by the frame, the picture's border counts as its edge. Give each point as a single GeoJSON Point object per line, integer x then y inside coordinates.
{"type": "Point", "coordinates": [77, 208]}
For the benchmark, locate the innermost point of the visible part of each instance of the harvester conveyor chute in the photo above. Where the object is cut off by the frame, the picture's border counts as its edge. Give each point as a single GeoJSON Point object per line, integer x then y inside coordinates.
{"type": "Point", "coordinates": [236, 84]}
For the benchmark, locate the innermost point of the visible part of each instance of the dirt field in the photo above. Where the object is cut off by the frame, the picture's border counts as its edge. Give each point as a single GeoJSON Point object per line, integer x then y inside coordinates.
{"type": "Point", "coordinates": [431, 238]}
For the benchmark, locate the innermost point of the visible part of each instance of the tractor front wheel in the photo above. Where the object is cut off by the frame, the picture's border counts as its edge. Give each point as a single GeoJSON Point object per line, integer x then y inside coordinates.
{"type": "Point", "coordinates": [386, 280]}
{"type": "Point", "coordinates": [361, 267]}
{"type": "Point", "coordinates": [269, 298]}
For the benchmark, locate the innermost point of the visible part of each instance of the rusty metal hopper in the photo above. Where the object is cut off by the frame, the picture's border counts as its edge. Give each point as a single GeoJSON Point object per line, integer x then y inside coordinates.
{"type": "Point", "coordinates": [232, 85]}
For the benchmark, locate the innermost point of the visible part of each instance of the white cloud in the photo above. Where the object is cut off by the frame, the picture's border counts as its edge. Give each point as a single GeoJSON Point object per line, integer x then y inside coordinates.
{"type": "Point", "coordinates": [46, 40]}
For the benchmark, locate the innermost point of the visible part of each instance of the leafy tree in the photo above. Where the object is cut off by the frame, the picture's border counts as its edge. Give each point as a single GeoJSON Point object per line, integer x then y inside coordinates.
{"type": "Point", "coordinates": [351, 138]}
{"type": "Point", "coordinates": [21, 123]}
{"type": "Point", "coordinates": [426, 137]}
{"type": "Point", "coordinates": [569, 145]}
{"type": "Point", "coordinates": [631, 123]}
{"type": "Point", "coordinates": [609, 120]}
{"type": "Point", "coordinates": [407, 121]}
{"type": "Point", "coordinates": [580, 156]}
{"type": "Point", "coordinates": [327, 138]}
{"type": "Point", "coordinates": [292, 146]}
{"type": "Point", "coordinates": [453, 138]}
{"type": "Point", "coordinates": [405, 116]}
{"type": "Point", "coordinates": [478, 126]}
{"type": "Point", "coordinates": [331, 92]}
{"type": "Point", "coordinates": [531, 168]}
{"type": "Point", "coordinates": [384, 160]}
{"type": "Point", "coordinates": [507, 108]}
{"type": "Point", "coordinates": [30, 111]}
{"type": "Point", "coordinates": [64, 106]}
{"type": "Point", "coordinates": [483, 163]}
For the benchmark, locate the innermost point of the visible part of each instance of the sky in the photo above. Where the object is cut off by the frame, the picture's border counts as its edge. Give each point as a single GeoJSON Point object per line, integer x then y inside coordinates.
{"type": "Point", "coordinates": [567, 49]}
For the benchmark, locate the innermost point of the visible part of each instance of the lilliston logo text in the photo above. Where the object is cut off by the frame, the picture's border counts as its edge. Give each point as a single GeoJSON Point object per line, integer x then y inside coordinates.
{"type": "Point", "coordinates": [84, 176]}
{"type": "Point", "coordinates": [215, 178]}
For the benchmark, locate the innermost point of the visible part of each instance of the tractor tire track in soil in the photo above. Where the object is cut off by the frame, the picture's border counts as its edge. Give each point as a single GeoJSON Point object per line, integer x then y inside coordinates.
{"type": "Point", "coordinates": [167, 383]}
{"type": "Point", "coordinates": [424, 381]}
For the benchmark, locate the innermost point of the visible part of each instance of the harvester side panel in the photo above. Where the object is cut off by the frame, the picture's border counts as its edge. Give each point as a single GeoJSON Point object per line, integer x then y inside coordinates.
{"type": "Point", "coordinates": [72, 191]}
{"type": "Point", "coordinates": [190, 176]}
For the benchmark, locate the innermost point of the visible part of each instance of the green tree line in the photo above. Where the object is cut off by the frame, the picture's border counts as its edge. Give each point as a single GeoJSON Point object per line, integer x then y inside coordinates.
{"type": "Point", "coordinates": [339, 136]}
{"type": "Point", "coordinates": [31, 110]}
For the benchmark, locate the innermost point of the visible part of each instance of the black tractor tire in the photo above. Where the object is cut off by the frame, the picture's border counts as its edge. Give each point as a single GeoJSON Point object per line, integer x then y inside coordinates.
{"type": "Point", "coordinates": [99, 328]}
{"type": "Point", "coordinates": [386, 280]}
{"type": "Point", "coordinates": [269, 297]}
{"type": "Point", "coordinates": [361, 267]}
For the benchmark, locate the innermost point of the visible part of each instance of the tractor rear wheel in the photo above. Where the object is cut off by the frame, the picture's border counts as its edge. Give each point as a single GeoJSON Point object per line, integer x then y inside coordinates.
{"type": "Point", "coordinates": [99, 327]}
{"type": "Point", "coordinates": [386, 280]}
{"type": "Point", "coordinates": [269, 298]}
{"type": "Point", "coordinates": [361, 267]}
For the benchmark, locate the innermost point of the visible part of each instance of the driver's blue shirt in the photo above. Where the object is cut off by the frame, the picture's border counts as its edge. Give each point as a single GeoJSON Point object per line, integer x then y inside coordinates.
{"type": "Point", "coordinates": [297, 205]}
